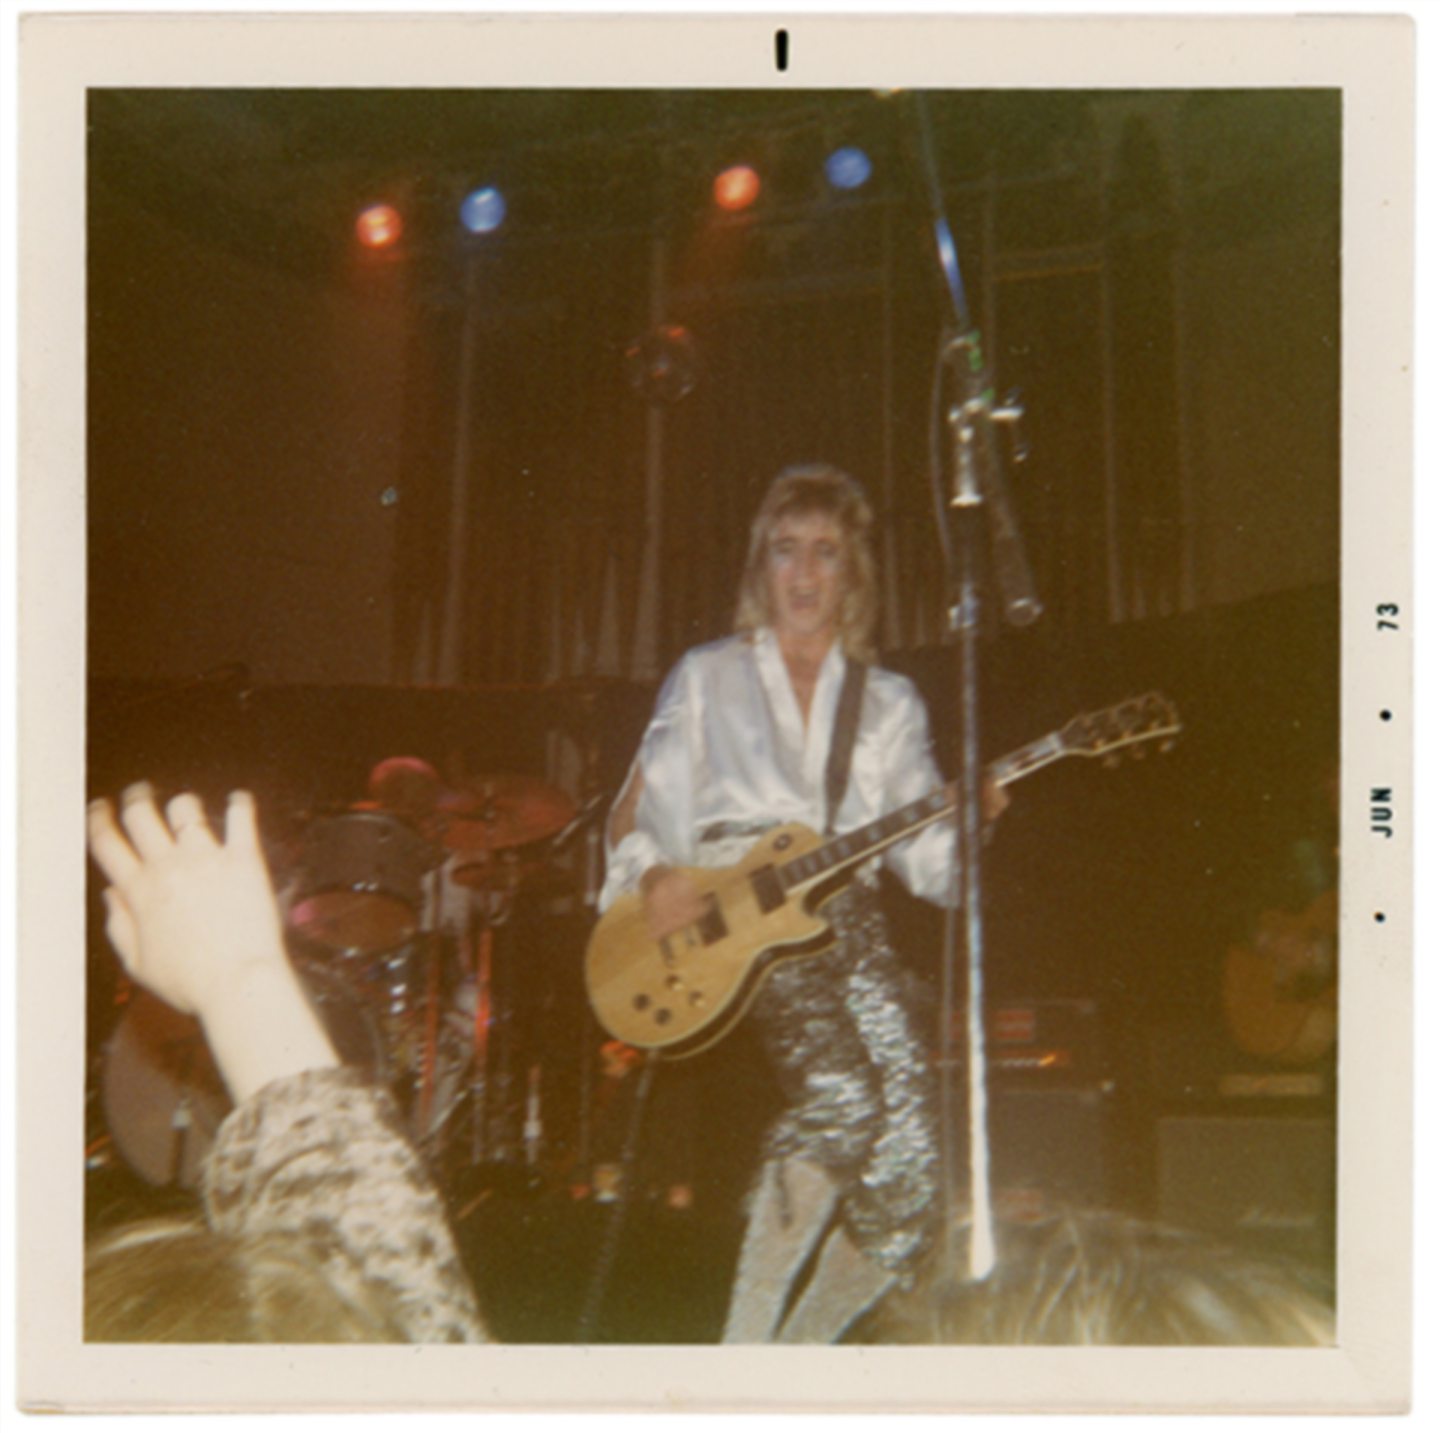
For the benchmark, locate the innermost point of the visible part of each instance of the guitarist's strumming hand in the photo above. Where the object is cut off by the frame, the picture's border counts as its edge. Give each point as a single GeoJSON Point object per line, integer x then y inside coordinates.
{"type": "Point", "coordinates": [671, 900]}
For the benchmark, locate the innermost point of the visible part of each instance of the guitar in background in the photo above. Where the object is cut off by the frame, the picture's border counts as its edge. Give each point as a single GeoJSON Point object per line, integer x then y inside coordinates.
{"type": "Point", "coordinates": [1280, 987]}
{"type": "Point", "coordinates": [1280, 980]}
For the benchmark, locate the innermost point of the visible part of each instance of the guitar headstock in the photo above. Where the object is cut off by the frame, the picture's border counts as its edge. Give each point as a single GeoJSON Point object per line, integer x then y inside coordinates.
{"type": "Point", "coordinates": [1133, 724]}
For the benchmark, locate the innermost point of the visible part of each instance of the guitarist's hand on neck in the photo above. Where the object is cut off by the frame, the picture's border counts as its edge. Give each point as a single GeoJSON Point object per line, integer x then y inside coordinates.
{"type": "Point", "coordinates": [671, 900]}
{"type": "Point", "coordinates": [993, 799]}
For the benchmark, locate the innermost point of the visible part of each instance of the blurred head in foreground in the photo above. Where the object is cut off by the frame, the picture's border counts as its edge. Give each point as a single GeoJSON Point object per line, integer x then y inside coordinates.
{"type": "Point", "coordinates": [171, 1280]}
{"type": "Point", "coordinates": [1099, 1279]}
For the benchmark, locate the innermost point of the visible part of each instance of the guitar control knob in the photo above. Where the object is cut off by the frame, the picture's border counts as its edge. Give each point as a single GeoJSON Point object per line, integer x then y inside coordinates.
{"type": "Point", "coordinates": [697, 997]}
{"type": "Point", "coordinates": [641, 1002]}
{"type": "Point", "coordinates": [662, 1016]}
{"type": "Point", "coordinates": [674, 982]}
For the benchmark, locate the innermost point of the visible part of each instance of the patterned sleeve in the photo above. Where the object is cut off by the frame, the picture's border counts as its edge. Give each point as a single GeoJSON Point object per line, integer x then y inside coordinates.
{"type": "Point", "coordinates": [322, 1155]}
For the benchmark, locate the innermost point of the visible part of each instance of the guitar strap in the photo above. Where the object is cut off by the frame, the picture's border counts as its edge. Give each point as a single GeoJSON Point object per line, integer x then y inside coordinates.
{"type": "Point", "coordinates": [842, 739]}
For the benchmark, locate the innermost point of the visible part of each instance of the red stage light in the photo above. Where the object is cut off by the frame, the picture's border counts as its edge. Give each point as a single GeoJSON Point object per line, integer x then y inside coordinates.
{"type": "Point", "coordinates": [737, 187]}
{"type": "Point", "coordinates": [378, 226]}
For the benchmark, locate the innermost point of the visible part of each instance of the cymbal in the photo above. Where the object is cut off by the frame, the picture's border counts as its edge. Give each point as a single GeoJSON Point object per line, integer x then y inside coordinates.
{"type": "Point", "coordinates": [504, 875]}
{"type": "Point", "coordinates": [492, 813]}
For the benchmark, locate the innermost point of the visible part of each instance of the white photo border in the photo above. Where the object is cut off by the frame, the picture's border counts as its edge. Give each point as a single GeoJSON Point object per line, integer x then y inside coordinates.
{"type": "Point", "coordinates": [1370, 58]}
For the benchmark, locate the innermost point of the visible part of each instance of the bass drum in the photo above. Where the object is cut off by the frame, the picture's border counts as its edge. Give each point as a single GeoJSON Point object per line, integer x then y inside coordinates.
{"type": "Point", "coordinates": [162, 1094]}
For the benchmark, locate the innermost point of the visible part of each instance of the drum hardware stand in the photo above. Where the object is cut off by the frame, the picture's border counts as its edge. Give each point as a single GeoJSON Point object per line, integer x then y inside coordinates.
{"type": "Point", "coordinates": [428, 1048]}
{"type": "Point", "coordinates": [594, 843]}
{"type": "Point", "coordinates": [595, 805]}
{"type": "Point", "coordinates": [978, 484]}
{"type": "Point", "coordinates": [615, 1221]}
{"type": "Point", "coordinates": [428, 936]}
{"type": "Point", "coordinates": [182, 1120]}
{"type": "Point", "coordinates": [534, 1130]}
{"type": "Point", "coordinates": [596, 802]}
{"type": "Point", "coordinates": [593, 796]}
{"type": "Point", "coordinates": [486, 1016]}
{"type": "Point", "coordinates": [481, 945]}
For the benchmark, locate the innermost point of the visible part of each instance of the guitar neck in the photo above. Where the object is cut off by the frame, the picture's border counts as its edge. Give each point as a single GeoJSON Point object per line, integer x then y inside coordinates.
{"type": "Point", "coordinates": [839, 855]}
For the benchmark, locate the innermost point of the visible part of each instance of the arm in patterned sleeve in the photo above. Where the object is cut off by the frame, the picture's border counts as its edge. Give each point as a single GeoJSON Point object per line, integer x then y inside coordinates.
{"type": "Point", "coordinates": [322, 1155]}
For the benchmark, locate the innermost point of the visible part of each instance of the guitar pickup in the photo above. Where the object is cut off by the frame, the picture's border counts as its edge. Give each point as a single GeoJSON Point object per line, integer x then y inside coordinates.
{"type": "Point", "coordinates": [769, 892]}
{"type": "Point", "coordinates": [711, 926]}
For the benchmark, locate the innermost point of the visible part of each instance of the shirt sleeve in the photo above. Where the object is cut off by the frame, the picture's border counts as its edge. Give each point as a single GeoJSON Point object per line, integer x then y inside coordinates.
{"type": "Point", "coordinates": [925, 863]}
{"type": "Point", "coordinates": [321, 1155]}
{"type": "Point", "coordinates": [663, 828]}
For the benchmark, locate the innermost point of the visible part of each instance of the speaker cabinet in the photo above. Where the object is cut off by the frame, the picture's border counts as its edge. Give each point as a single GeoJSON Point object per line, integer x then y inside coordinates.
{"type": "Point", "coordinates": [1267, 1181]}
{"type": "Point", "coordinates": [1049, 1150]}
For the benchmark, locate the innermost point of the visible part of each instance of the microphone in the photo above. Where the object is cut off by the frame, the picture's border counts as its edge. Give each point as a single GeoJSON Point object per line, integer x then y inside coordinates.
{"type": "Point", "coordinates": [980, 473]}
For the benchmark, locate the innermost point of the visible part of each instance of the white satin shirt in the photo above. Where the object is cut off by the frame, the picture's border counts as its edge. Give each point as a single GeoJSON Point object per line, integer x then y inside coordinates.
{"type": "Point", "coordinates": [727, 756]}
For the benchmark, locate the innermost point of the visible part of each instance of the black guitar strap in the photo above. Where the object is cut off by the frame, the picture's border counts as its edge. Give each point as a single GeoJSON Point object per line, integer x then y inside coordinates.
{"type": "Point", "coordinates": [842, 739]}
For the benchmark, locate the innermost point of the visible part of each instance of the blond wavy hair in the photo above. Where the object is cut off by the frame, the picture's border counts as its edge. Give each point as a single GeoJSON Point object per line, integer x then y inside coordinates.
{"type": "Point", "coordinates": [171, 1279]}
{"type": "Point", "coordinates": [817, 488]}
{"type": "Point", "coordinates": [1096, 1277]}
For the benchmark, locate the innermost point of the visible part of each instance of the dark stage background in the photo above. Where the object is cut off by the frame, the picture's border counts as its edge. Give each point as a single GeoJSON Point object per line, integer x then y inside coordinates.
{"type": "Point", "coordinates": [279, 418]}
{"type": "Point", "coordinates": [346, 504]}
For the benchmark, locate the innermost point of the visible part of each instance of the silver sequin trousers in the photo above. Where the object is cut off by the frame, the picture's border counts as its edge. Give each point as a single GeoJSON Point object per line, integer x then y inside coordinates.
{"type": "Point", "coordinates": [842, 1034]}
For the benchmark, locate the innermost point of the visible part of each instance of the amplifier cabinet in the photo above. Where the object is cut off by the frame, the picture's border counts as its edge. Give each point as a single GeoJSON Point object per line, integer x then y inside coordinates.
{"type": "Point", "coordinates": [1050, 1150]}
{"type": "Point", "coordinates": [1266, 1181]}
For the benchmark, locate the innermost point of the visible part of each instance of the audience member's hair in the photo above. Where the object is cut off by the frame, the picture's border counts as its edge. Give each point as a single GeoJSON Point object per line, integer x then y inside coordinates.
{"type": "Point", "coordinates": [1108, 1279]}
{"type": "Point", "coordinates": [172, 1280]}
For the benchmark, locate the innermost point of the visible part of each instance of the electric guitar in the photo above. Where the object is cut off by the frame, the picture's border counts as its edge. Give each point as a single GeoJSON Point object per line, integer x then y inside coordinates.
{"type": "Point", "coordinates": [679, 995]}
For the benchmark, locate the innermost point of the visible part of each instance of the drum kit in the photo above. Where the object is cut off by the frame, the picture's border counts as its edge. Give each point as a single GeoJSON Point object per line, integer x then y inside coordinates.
{"type": "Point", "coordinates": [393, 906]}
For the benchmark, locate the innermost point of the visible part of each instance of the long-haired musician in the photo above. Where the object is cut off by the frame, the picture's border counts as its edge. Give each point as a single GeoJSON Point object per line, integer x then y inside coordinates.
{"type": "Point", "coordinates": [740, 742]}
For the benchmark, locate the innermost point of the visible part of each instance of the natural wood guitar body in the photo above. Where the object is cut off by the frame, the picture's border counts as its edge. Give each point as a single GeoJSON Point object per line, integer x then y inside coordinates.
{"type": "Point", "coordinates": [683, 993]}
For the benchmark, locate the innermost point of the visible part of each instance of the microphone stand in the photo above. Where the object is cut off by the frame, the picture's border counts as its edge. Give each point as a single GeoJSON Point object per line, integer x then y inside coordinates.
{"type": "Point", "coordinates": [977, 492]}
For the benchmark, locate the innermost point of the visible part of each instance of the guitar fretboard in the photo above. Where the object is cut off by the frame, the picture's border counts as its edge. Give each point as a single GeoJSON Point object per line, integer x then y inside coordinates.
{"type": "Point", "coordinates": [866, 841]}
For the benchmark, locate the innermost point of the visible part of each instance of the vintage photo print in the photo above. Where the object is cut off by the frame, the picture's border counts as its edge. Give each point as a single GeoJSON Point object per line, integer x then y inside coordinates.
{"type": "Point", "coordinates": [814, 621]}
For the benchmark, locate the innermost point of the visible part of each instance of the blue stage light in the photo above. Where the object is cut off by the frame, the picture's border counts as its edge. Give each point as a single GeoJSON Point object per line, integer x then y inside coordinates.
{"type": "Point", "coordinates": [483, 210]}
{"type": "Point", "coordinates": [848, 168]}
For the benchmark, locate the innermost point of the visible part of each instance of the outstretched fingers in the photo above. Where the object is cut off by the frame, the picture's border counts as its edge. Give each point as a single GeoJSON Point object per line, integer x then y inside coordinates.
{"type": "Point", "coordinates": [113, 853]}
{"type": "Point", "coordinates": [188, 820]}
{"type": "Point", "coordinates": [188, 916]}
{"type": "Point", "coordinates": [242, 833]}
{"type": "Point", "coordinates": [143, 823]}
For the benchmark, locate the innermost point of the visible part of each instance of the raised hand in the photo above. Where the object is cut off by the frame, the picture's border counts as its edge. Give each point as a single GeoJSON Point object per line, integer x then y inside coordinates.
{"type": "Point", "coordinates": [187, 914]}
{"type": "Point", "coordinates": [195, 920]}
